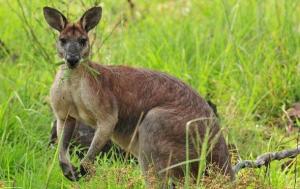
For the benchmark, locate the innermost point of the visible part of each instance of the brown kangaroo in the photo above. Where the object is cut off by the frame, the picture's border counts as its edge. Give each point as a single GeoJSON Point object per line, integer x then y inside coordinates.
{"type": "Point", "coordinates": [159, 119]}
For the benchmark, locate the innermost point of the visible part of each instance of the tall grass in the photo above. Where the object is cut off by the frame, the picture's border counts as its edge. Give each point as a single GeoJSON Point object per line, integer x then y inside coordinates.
{"type": "Point", "coordinates": [244, 55]}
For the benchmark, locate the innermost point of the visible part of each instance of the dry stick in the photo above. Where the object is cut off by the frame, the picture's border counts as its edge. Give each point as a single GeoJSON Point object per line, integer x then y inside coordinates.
{"type": "Point", "coordinates": [265, 159]}
{"type": "Point", "coordinates": [134, 135]}
{"type": "Point", "coordinates": [169, 163]}
{"type": "Point", "coordinates": [131, 6]}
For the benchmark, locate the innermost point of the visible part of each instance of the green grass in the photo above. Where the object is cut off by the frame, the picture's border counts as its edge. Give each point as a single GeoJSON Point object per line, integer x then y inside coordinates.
{"type": "Point", "coordinates": [243, 54]}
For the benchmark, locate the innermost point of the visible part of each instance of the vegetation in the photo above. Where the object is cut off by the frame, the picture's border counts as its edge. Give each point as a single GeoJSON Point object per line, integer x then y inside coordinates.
{"type": "Point", "coordinates": [243, 55]}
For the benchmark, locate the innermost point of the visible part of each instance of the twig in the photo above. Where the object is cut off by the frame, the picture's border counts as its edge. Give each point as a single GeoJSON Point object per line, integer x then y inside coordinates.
{"type": "Point", "coordinates": [120, 20]}
{"type": "Point", "coordinates": [132, 7]}
{"type": "Point", "coordinates": [265, 159]}
{"type": "Point", "coordinates": [133, 137]}
{"type": "Point", "coordinates": [4, 48]}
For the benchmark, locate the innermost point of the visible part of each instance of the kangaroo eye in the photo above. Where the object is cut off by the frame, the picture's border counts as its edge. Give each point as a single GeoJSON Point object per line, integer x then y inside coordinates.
{"type": "Point", "coordinates": [62, 41]}
{"type": "Point", "coordinates": [82, 41]}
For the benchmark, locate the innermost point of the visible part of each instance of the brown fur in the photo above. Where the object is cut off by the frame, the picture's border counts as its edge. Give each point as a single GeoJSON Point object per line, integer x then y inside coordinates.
{"type": "Point", "coordinates": [82, 139]}
{"type": "Point", "coordinates": [113, 101]}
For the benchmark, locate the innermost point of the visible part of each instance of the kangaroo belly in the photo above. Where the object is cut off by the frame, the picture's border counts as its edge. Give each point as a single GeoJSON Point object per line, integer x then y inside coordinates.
{"type": "Point", "coordinates": [129, 143]}
{"type": "Point", "coordinates": [84, 103]}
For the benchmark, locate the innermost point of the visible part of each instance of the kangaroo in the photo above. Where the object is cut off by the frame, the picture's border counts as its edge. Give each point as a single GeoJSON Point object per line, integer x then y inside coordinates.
{"type": "Point", "coordinates": [154, 116]}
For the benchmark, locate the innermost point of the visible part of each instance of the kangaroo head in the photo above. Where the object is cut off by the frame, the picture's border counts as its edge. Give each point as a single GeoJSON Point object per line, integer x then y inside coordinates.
{"type": "Point", "coordinates": [73, 41]}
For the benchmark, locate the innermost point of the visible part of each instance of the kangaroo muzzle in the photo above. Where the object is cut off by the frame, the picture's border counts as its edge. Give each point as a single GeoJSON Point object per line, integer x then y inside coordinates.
{"type": "Point", "coordinates": [72, 56]}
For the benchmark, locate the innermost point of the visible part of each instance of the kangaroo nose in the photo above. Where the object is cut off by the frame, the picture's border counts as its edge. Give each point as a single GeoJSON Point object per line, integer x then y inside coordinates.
{"type": "Point", "coordinates": [72, 60]}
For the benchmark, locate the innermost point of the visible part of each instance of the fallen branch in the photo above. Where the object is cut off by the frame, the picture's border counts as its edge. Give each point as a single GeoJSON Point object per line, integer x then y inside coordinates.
{"type": "Point", "coordinates": [265, 159]}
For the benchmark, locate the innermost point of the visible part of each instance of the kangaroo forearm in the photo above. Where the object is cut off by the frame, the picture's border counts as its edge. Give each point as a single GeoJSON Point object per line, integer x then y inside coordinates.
{"type": "Point", "coordinates": [65, 130]}
{"type": "Point", "coordinates": [100, 139]}
{"type": "Point", "coordinates": [69, 129]}
{"type": "Point", "coordinates": [67, 126]}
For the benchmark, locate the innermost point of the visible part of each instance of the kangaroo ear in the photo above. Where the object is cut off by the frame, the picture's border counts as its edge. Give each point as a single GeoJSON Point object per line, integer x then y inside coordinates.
{"type": "Point", "coordinates": [55, 18]}
{"type": "Point", "coordinates": [91, 18]}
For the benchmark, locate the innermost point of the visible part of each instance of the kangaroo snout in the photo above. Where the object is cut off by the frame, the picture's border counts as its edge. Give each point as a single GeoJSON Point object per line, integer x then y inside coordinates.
{"type": "Point", "coordinates": [72, 56]}
{"type": "Point", "coordinates": [72, 60]}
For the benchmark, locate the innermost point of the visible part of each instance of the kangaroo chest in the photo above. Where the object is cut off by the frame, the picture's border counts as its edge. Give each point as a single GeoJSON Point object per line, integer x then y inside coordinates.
{"type": "Point", "coordinates": [72, 97]}
{"type": "Point", "coordinates": [83, 102]}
